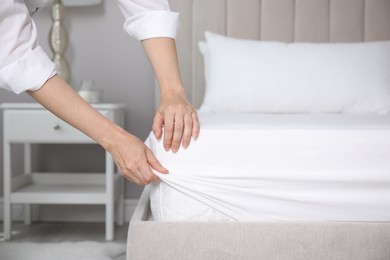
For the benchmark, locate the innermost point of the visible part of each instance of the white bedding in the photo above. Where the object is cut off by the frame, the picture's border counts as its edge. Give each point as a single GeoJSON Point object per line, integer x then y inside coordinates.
{"type": "Point", "coordinates": [251, 167]}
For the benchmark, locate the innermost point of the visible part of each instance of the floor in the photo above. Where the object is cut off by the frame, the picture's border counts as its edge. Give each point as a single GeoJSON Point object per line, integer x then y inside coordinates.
{"type": "Point", "coordinates": [43, 232]}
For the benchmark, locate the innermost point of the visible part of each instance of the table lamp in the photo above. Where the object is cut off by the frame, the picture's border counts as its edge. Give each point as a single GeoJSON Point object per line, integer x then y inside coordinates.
{"type": "Point", "coordinates": [59, 36]}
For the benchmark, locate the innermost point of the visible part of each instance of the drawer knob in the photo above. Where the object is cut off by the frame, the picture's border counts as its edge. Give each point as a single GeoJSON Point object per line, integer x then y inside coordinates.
{"type": "Point", "coordinates": [56, 127]}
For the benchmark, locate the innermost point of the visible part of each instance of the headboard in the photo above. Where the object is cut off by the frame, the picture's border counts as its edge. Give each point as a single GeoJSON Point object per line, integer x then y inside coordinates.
{"type": "Point", "coordinates": [278, 20]}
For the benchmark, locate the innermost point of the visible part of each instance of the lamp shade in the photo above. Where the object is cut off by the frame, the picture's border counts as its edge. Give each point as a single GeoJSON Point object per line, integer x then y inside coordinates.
{"type": "Point", "coordinates": [80, 2]}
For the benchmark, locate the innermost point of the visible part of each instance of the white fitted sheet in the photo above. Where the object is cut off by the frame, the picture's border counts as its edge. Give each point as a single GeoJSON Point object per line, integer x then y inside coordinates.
{"type": "Point", "coordinates": [251, 167]}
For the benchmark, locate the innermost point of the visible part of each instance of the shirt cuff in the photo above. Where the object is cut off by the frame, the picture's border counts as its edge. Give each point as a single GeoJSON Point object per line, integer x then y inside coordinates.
{"type": "Point", "coordinates": [152, 24]}
{"type": "Point", "coordinates": [27, 73]}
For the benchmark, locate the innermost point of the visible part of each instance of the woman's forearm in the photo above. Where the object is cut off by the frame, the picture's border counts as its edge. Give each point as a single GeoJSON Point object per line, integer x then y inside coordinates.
{"type": "Point", "coordinates": [163, 57]}
{"type": "Point", "coordinates": [132, 157]}
{"type": "Point", "coordinates": [59, 98]}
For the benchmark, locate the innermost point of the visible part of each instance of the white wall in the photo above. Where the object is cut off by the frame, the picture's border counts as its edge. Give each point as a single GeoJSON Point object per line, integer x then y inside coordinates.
{"type": "Point", "coordinates": [99, 49]}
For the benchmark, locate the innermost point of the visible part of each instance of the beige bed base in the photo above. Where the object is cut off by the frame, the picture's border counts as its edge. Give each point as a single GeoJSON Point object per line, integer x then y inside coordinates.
{"type": "Point", "coordinates": [275, 20]}
{"type": "Point", "coordinates": [253, 240]}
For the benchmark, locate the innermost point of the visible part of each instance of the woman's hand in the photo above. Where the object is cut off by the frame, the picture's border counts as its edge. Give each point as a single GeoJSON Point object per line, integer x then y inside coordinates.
{"type": "Point", "coordinates": [179, 119]}
{"type": "Point", "coordinates": [133, 158]}
{"type": "Point", "coordinates": [175, 114]}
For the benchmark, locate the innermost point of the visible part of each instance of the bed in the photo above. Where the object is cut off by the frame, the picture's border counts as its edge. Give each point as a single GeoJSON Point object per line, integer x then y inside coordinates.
{"type": "Point", "coordinates": [295, 180]}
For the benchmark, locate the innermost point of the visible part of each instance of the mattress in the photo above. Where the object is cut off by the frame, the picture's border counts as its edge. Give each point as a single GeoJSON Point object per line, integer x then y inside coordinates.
{"type": "Point", "coordinates": [251, 167]}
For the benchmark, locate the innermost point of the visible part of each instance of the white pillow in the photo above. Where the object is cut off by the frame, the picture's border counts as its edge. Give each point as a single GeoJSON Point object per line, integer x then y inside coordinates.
{"type": "Point", "coordinates": [204, 50]}
{"type": "Point", "coordinates": [274, 77]}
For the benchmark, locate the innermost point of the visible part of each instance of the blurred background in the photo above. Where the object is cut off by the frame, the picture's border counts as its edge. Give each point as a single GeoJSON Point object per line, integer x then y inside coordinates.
{"type": "Point", "coordinates": [100, 50]}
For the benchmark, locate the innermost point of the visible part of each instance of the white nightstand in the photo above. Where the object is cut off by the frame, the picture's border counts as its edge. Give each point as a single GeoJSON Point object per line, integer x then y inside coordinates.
{"type": "Point", "coordinates": [29, 123]}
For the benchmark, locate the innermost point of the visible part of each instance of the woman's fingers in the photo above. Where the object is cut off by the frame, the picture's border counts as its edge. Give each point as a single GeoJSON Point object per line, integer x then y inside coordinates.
{"type": "Point", "coordinates": [169, 127]}
{"type": "Point", "coordinates": [180, 123]}
{"type": "Point", "coordinates": [178, 132]}
{"type": "Point", "coordinates": [147, 174]}
{"type": "Point", "coordinates": [131, 175]}
{"type": "Point", "coordinates": [188, 129]}
{"type": "Point", "coordinates": [145, 171]}
{"type": "Point", "coordinates": [135, 160]}
{"type": "Point", "coordinates": [143, 175]}
{"type": "Point", "coordinates": [158, 124]}
{"type": "Point", "coordinates": [154, 163]}
{"type": "Point", "coordinates": [195, 125]}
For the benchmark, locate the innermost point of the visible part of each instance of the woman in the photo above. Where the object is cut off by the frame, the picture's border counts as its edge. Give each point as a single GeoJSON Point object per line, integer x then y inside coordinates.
{"type": "Point", "coordinates": [24, 66]}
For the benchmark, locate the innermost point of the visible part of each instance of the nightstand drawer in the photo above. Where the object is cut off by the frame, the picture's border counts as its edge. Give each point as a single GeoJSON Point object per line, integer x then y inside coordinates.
{"type": "Point", "coordinates": [41, 126]}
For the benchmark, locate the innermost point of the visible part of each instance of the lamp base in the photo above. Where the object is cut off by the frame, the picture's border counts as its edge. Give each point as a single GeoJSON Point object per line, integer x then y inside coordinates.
{"type": "Point", "coordinates": [59, 40]}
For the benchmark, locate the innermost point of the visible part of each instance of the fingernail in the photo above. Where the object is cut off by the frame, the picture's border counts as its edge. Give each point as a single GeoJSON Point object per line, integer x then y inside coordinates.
{"type": "Point", "coordinates": [174, 150]}
{"type": "Point", "coordinates": [157, 136]}
{"type": "Point", "coordinates": [166, 149]}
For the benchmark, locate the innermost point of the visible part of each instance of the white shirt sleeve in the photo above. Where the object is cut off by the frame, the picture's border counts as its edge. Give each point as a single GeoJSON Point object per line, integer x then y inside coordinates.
{"type": "Point", "coordinates": [149, 18]}
{"type": "Point", "coordinates": [23, 63]}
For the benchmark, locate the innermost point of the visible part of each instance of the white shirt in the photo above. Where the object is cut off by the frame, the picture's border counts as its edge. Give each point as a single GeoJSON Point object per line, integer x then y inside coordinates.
{"type": "Point", "coordinates": [23, 63]}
